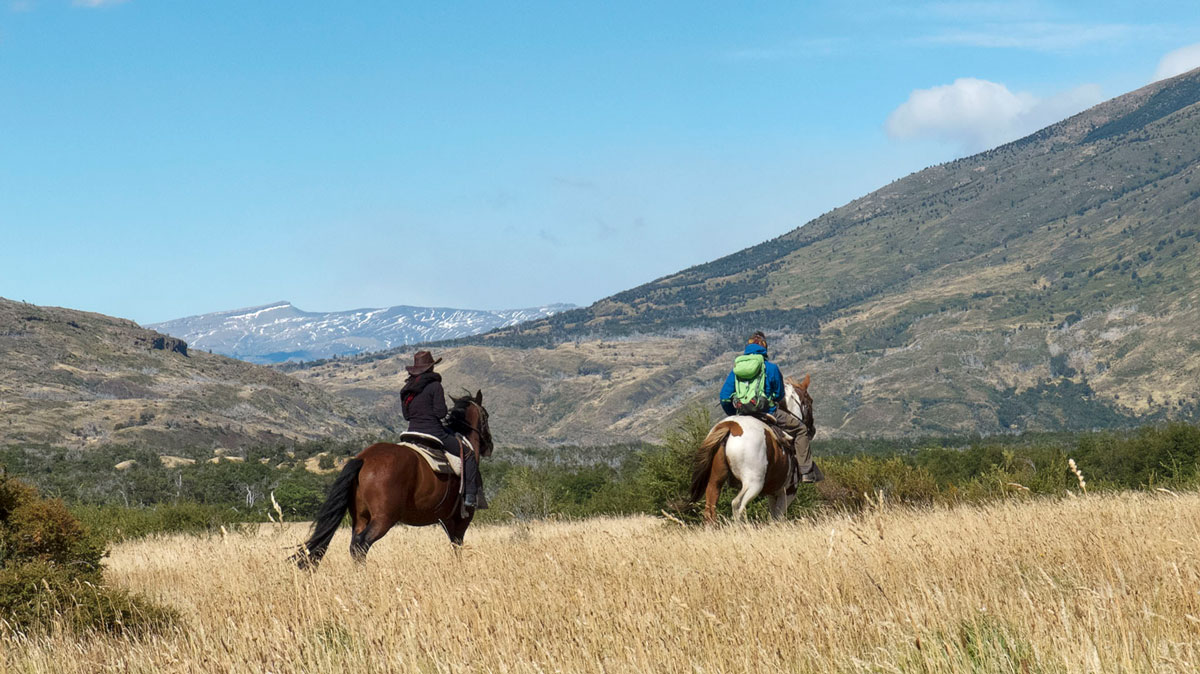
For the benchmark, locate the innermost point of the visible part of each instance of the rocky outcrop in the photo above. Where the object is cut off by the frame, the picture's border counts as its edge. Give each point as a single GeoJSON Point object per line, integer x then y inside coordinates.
{"type": "Point", "coordinates": [173, 344]}
{"type": "Point", "coordinates": [161, 342]}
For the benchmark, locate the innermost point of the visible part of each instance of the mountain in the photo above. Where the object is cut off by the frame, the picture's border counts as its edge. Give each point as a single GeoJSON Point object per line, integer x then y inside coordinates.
{"type": "Point", "coordinates": [76, 379]}
{"type": "Point", "coordinates": [280, 332]}
{"type": "Point", "coordinates": [1052, 283]}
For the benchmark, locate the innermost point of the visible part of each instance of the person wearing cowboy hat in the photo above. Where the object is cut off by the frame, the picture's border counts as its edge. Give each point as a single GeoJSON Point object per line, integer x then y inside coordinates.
{"type": "Point", "coordinates": [424, 405]}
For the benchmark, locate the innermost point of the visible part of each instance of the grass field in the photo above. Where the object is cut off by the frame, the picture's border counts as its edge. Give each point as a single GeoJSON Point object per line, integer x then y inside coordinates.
{"type": "Point", "coordinates": [1102, 583]}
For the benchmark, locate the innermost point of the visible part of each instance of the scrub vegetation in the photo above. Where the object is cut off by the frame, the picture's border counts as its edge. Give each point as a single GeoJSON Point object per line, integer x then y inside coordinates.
{"type": "Point", "coordinates": [1083, 583]}
{"type": "Point", "coordinates": [51, 578]}
{"type": "Point", "coordinates": [147, 496]}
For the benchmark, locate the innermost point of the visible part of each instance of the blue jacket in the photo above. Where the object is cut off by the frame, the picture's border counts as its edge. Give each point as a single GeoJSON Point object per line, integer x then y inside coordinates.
{"type": "Point", "coordinates": [773, 386]}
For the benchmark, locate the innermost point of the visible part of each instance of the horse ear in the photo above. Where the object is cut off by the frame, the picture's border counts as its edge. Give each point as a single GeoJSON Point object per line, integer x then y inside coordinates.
{"type": "Point", "coordinates": [804, 384]}
{"type": "Point", "coordinates": [479, 396]}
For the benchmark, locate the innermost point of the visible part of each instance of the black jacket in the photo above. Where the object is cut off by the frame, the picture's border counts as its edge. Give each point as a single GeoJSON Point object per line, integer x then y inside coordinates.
{"type": "Point", "coordinates": [424, 405]}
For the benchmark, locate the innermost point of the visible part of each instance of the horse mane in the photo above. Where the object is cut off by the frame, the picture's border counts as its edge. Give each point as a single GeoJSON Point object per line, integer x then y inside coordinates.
{"type": "Point", "coordinates": [458, 414]}
{"type": "Point", "coordinates": [806, 411]}
{"type": "Point", "coordinates": [799, 385]}
{"type": "Point", "coordinates": [457, 420]}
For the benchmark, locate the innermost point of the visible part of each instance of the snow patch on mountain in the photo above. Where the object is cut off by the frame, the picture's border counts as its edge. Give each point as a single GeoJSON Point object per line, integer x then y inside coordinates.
{"type": "Point", "coordinates": [278, 332]}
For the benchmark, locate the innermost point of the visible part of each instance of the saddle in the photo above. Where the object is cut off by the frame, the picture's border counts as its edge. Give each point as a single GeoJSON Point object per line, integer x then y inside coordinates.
{"type": "Point", "coordinates": [441, 461]}
{"type": "Point", "coordinates": [422, 439]}
{"type": "Point", "coordinates": [434, 452]}
{"type": "Point", "coordinates": [772, 423]}
{"type": "Point", "coordinates": [785, 441]}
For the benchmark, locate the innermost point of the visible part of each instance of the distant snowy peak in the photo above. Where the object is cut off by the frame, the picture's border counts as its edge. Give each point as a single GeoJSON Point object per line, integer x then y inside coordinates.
{"type": "Point", "coordinates": [279, 331]}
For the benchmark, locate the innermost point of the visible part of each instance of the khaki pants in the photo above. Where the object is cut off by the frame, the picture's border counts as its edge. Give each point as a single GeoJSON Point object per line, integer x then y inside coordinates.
{"type": "Point", "coordinates": [795, 427]}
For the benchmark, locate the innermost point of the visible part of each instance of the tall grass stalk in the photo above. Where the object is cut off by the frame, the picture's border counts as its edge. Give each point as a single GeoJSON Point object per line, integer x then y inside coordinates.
{"type": "Point", "coordinates": [992, 588]}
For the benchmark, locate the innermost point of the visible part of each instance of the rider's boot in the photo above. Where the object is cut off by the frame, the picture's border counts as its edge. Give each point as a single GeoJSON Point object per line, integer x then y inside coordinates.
{"type": "Point", "coordinates": [813, 475]}
{"type": "Point", "coordinates": [802, 450]}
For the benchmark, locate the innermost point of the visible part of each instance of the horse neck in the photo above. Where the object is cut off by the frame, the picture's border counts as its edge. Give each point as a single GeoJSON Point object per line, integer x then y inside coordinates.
{"type": "Point", "coordinates": [795, 405]}
{"type": "Point", "coordinates": [791, 401]}
{"type": "Point", "coordinates": [472, 418]}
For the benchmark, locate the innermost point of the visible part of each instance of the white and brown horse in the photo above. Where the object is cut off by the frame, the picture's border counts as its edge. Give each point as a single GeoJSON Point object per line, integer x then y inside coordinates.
{"type": "Point", "coordinates": [746, 448]}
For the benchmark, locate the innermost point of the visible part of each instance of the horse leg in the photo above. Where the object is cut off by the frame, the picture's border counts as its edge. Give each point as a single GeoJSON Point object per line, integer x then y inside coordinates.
{"type": "Point", "coordinates": [360, 519]}
{"type": "Point", "coordinates": [751, 487]}
{"type": "Point", "coordinates": [780, 501]}
{"type": "Point", "coordinates": [456, 528]}
{"type": "Point", "coordinates": [362, 541]}
{"type": "Point", "coordinates": [716, 480]}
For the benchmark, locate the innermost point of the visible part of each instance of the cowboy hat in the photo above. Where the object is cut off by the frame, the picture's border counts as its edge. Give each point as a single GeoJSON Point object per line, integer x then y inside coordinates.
{"type": "Point", "coordinates": [422, 362]}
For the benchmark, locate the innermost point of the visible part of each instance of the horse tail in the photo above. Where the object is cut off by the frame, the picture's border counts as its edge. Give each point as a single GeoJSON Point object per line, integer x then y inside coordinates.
{"type": "Point", "coordinates": [329, 517]}
{"type": "Point", "coordinates": [702, 466]}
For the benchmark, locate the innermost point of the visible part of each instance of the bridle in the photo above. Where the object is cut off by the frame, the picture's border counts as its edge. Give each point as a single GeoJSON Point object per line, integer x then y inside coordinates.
{"type": "Point", "coordinates": [803, 403]}
{"type": "Point", "coordinates": [478, 432]}
{"type": "Point", "coordinates": [472, 427]}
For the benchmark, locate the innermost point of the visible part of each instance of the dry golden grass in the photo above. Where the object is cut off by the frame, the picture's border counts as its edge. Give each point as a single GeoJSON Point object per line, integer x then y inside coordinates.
{"type": "Point", "coordinates": [1103, 583]}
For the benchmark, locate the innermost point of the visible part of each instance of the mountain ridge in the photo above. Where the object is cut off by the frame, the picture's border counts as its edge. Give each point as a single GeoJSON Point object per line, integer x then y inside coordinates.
{"type": "Point", "coordinates": [280, 331]}
{"type": "Point", "coordinates": [756, 260]}
{"type": "Point", "coordinates": [1050, 283]}
{"type": "Point", "coordinates": [81, 379]}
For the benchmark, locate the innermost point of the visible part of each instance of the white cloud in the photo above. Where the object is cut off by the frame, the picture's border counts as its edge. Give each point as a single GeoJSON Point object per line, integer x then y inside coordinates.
{"type": "Point", "coordinates": [1178, 62]}
{"type": "Point", "coordinates": [93, 4]}
{"type": "Point", "coordinates": [977, 114]}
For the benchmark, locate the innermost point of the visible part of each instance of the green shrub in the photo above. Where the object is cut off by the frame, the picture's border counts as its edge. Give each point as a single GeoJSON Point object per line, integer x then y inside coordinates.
{"type": "Point", "coordinates": [526, 494]}
{"type": "Point", "coordinates": [33, 529]}
{"type": "Point", "coordinates": [114, 524]}
{"type": "Point", "coordinates": [578, 482]}
{"type": "Point", "coordinates": [1152, 455]}
{"type": "Point", "coordinates": [36, 595]}
{"type": "Point", "coordinates": [852, 484]}
{"type": "Point", "coordinates": [663, 477]}
{"type": "Point", "coordinates": [301, 494]}
{"type": "Point", "coordinates": [50, 572]}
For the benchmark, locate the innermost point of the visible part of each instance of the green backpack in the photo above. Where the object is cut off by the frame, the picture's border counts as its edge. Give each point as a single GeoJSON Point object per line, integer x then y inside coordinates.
{"type": "Point", "coordinates": [750, 380]}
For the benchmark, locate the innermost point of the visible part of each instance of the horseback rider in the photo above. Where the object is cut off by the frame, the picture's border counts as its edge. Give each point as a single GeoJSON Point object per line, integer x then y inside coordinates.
{"type": "Point", "coordinates": [424, 405]}
{"type": "Point", "coordinates": [763, 386]}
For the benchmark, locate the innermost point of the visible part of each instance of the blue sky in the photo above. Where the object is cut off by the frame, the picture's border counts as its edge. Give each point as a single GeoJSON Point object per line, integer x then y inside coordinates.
{"type": "Point", "coordinates": [165, 158]}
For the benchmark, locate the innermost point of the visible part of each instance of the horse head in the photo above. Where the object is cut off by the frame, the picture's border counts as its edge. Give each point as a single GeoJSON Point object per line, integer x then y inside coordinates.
{"type": "Point", "coordinates": [470, 416]}
{"type": "Point", "coordinates": [797, 400]}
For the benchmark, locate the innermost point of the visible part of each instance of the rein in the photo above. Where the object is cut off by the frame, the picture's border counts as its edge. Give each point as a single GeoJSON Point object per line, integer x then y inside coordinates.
{"type": "Point", "coordinates": [461, 457]}
{"type": "Point", "coordinates": [468, 426]}
{"type": "Point", "coordinates": [461, 484]}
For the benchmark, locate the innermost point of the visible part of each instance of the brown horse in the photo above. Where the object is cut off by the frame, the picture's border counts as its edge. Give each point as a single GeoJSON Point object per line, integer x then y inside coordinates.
{"type": "Point", "coordinates": [746, 448]}
{"type": "Point", "coordinates": [388, 484]}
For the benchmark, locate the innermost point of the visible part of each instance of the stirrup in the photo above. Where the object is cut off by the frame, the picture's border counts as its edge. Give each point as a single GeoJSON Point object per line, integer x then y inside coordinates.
{"type": "Point", "coordinates": [813, 476]}
{"type": "Point", "coordinates": [467, 509]}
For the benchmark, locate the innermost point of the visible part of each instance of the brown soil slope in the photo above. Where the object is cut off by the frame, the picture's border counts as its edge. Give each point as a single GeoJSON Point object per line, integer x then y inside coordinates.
{"type": "Point", "coordinates": [1049, 284]}
{"type": "Point", "coordinates": [77, 379]}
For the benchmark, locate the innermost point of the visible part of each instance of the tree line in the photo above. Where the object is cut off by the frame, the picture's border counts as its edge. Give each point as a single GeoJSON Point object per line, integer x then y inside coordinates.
{"type": "Point", "coordinates": [148, 496]}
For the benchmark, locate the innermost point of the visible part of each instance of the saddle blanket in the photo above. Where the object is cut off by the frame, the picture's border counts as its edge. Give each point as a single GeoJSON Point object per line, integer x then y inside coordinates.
{"type": "Point", "coordinates": [773, 424]}
{"type": "Point", "coordinates": [439, 460]}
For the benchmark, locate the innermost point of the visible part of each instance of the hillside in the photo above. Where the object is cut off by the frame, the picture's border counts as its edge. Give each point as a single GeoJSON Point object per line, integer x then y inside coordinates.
{"type": "Point", "coordinates": [279, 332]}
{"type": "Point", "coordinates": [77, 379]}
{"type": "Point", "coordinates": [1110, 186]}
{"type": "Point", "coordinates": [1051, 283]}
